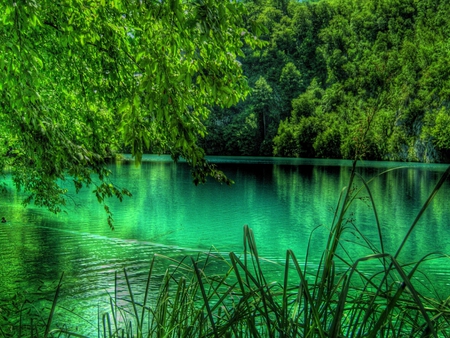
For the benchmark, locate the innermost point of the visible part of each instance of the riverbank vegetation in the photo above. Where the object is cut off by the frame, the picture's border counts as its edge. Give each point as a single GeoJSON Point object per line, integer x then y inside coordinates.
{"type": "Point", "coordinates": [331, 67]}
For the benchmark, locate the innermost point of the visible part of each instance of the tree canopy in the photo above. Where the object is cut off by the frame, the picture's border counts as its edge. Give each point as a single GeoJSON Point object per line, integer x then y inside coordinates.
{"type": "Point", "coordinates": [81, 79]}
{"type": "Point", "coordinates": [336, 67]}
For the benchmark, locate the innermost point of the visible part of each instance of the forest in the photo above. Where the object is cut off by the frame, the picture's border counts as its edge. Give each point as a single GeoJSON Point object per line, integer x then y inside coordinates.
{"type": "Point", "coordinates": [343, 79]}
{"type": "Point", "coordinates": [84, 81]}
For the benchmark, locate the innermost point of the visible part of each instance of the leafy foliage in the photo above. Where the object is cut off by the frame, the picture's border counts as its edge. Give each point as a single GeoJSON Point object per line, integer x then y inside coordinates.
{"type": "Point", "coordinates": [375, 51]}
{"type": "Point", "coordinates": [82, 79]}
{"type": "Point", "coordinates": [381, 62]}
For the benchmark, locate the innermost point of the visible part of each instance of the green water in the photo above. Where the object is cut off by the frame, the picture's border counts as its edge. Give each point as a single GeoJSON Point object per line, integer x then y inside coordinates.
{"type": "Point", "coordinates": [282, 200]}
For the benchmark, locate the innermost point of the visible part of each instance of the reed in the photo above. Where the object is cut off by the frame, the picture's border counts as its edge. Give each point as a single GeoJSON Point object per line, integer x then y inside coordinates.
{"type": "Point", "coordinates": [338, 298]}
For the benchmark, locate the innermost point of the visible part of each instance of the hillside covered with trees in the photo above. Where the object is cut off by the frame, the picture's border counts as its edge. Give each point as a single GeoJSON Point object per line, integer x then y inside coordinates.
{"type": "Point", "coordinates": [331, 68]}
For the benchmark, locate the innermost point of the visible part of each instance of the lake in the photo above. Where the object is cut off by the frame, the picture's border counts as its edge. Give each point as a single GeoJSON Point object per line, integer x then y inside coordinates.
{"type": "Point", "coordinates": [289, 203]}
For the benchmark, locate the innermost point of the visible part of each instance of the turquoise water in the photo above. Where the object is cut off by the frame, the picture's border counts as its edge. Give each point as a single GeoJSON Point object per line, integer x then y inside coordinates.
{"type": "Point", "coordinates": [282, 200]}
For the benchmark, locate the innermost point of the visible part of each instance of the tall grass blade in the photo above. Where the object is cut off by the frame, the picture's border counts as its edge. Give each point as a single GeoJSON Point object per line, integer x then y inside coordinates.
{"type": "Point", "coordinates": [205, 298]}
{"type": "Point", "coordinates": [161, 307]}
{"type": "Point", "coordinates": [338, 314]}
{"type": "Point", "coordinates": [316, 324]}
{"type": "Point", "coordinates": [133, 303]}
{"type": "Point", "coordinates": [147, 288]}
{"type": "Point", "coordinates": [114, 313]}
{"type": "Point", "coordinates": [52, 310]}
{"type": "Point", "coordinates": [106, 320]}
{"type": "Point", "coordinates": [116, 293]}
{"type": "Point", "coordinates": [335, 234]}
{"type": "Point", "coordinates": [269, 304]}
{"type": "Point", "coordinates": [375, 213]}
{"type": "Point", "coordinates": [308, 247]}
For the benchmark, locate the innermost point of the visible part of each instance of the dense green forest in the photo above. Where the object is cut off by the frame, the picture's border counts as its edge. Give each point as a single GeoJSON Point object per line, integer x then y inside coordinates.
{"type": "Point", "coordinates": [332, 68]}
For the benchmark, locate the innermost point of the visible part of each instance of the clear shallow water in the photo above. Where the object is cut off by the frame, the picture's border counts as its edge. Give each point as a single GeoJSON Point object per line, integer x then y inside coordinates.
{"type": "Point", "coordinates": [282, 200]}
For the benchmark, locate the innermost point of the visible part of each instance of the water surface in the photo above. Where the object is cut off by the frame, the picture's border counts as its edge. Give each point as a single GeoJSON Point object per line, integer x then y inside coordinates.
{"type": "Point", "coordinates": [286, 202]}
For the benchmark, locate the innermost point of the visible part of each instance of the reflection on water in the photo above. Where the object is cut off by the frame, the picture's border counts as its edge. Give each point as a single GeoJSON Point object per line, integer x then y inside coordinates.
{"type": "Point", "coordinates": [283, 200]}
